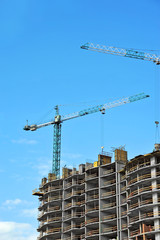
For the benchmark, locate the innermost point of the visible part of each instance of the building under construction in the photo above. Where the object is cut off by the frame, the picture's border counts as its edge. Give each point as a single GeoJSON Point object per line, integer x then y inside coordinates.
{"type": "Point", "coordinates": [105, 200]}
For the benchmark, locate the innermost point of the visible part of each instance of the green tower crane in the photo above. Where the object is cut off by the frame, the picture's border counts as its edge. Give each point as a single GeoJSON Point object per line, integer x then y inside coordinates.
{"type": "Point", "coordinates": [58, 120]}
{"type": "Point", "coordinates": [122, 52]}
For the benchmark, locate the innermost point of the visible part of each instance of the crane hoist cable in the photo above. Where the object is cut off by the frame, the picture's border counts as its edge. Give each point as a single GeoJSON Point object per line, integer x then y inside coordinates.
{"type": "Point", "coordinates": [157, 132]}
{"type": "Point", "coordinates": [132, 53]}
{"type": "Point", "coordinates": [156, 92]}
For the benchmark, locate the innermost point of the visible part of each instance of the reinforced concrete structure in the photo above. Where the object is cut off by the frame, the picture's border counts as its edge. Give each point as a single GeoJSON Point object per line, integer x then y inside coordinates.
{"type": "Point", "coordinates": [103, 201]}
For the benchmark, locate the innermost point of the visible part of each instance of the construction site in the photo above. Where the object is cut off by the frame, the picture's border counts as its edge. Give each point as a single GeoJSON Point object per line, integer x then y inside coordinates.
{"type": "Point", "coordinates": [106, 200]}
{"type": "Point", "coordinates": [113, 198]}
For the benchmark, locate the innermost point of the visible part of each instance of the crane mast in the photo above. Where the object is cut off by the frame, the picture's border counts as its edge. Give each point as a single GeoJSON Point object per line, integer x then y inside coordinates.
{"type": "Point", "coordinates": [58, 120]}
{"type": "Point", "coordinates": [122, 52]}
{"type": "Point", "coordinates": [57, 144]}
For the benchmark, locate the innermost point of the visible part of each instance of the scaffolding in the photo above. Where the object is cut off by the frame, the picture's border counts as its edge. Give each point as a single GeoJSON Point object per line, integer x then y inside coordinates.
{"type": "Point", "coordinates": [104, 201]}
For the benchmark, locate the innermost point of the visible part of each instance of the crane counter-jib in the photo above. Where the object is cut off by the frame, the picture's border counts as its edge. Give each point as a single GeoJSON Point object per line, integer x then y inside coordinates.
{"type": "Point", "coordinates": [34, 127]}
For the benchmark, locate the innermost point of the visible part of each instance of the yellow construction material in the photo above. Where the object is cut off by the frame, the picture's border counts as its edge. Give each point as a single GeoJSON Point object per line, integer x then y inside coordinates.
{"type": "Point", "coordinates": [66, 172]}
{"type": "Point", "coordinates": [37, 192]}
{"type": "Point", "coordinates": [44, 180]}
{"type": "Point", "coordinates": [96, 164]}
{"type": "Point", "coordinates": [51, 177]}
{"type": "Point", "coordinates": [103, 159]}
{"type": "Point", "coordinates": [120, 155]}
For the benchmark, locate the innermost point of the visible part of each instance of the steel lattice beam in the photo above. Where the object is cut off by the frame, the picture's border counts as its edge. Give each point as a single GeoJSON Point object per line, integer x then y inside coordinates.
{"type": "Point", "coordinates": [122, 52]}
{"type": "Point", "coordinates": [56, 150]}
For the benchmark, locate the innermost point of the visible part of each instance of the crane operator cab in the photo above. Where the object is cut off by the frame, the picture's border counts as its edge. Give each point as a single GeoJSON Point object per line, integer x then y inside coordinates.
{"type": "Point", "coordinates": [57, 119]}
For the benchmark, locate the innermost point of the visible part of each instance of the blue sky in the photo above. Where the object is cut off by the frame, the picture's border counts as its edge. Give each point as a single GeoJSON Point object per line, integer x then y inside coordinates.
{"type": "Point", "coordinates": [42, 65]}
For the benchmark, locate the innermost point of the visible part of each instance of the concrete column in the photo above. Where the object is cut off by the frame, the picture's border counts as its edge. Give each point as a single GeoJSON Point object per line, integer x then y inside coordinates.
{"type": "Point", "coordinates": [118, 166]}
{"type": "Point", "coordinates": [72, 209]}
{"type": "Point", "coordinates": [128, 217]}
{"type": "Point", "coordinates": [139, 200]}
{"type": "Point", "coordinates": [117, 200]}
{"type": "Point", "coordinates": [119, 203]}
{"type": "Point", "coordinates": [155, 198]}
{"type": "Point", "coordinates": [85, 231]}
{"type": "Point", "coordinates": [140, 228]}
{"type": "Point", "coordinates": [127, 205]}
{"type": "Point", "coordinates": [62, 226]}
{"type": "Point", "coordinates": [99, 179]}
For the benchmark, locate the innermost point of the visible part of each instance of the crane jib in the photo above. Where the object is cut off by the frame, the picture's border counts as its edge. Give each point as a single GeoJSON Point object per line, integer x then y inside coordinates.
{"type": "Point", "coordinates": [132, 53]}
{"type": "Point", "coordinates": [135, 54]}
{"type": "Point", "coordinates": [137, 97]}
{"type": "Point", "coordinates": [90, 110]}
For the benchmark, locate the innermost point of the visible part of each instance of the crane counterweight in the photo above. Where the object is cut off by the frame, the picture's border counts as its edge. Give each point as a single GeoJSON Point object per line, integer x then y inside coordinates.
{"type": "Point", "coordinates": [57, 119]}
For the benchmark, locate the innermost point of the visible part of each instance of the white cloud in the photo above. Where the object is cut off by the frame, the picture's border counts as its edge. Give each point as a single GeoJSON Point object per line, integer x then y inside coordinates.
{"type": "Point", "coordinates": [17, 231]}
{"type": "Point", "coordinates": [13, 202]}
{"type": "Point", "coordinates": [71, 160]}
{"type": "Point", "coordinates": [72, 155]}
{"type": "Point", "coordinates": [24, 141]}
{"type": "Point", "coordinates": [10, 204]}
{"type": "Point", "coordinates": [43, 166]}
{"type": "Point", "coordinates": [44, 169]}
{"type": "Point", "coordinates": [30, 212]}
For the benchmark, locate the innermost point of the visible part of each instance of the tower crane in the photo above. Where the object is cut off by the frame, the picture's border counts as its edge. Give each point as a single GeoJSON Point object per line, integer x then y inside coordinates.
{"type": "Point", "coordinates": [122, 52]}
{"type": "Point", "coordinates": [58, 120]}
